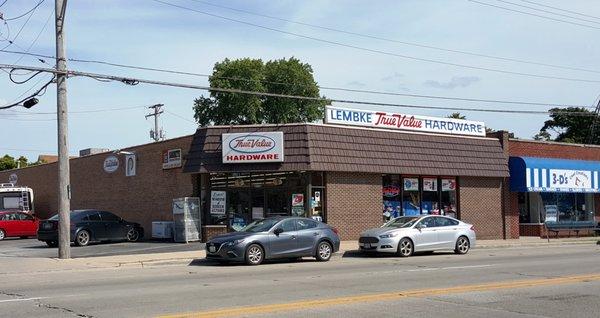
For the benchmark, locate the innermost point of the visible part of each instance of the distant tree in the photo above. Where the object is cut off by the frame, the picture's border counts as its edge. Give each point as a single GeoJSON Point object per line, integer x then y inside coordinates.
{"type": "Point", "coordinates": [457, 116]}
{"type": "Point", "coordinates": [284, 76]}
{"type": "Point", "coordinates": [567, 127]}
{"type": "Point", "coordinates": [7, 162]}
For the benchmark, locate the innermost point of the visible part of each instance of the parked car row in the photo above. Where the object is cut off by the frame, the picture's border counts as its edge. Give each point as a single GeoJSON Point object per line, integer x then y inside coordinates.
{"type": "Point", "coordinates": [86, 226]}
{"type": "Point", "coordinates": [296, 237]}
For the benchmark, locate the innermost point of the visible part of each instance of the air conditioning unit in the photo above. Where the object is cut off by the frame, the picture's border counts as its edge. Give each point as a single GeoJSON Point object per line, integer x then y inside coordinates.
{"type": "Point", "coordinates": [162, 230]}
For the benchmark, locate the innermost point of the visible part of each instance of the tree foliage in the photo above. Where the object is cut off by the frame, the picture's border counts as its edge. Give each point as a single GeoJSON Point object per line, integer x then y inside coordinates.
{"type": "Point", "coordinates": [284, 76]}
{"type": "Point", "coordinates": [8, 162]}
{"type": "Point", "coordinates": [570, 128]}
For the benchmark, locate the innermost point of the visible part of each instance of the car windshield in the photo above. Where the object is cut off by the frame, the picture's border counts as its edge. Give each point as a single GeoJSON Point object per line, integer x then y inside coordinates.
{"type": "Point", "coordinates": [402, 222]}
{"type": "Point", "coordinates": [260, 225]}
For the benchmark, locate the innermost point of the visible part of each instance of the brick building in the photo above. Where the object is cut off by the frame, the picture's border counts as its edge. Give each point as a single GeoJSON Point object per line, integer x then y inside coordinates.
{"type": "Point", "coordinates": [350, 177]}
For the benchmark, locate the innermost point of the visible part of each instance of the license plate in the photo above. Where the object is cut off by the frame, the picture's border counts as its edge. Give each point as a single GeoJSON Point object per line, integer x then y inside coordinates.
{"type": "Point", "coordinates": [47, 226]}
{"type": "Point", "coordinates": [212, 249]}
{"type": "Point", "coordinates": [367, 245]}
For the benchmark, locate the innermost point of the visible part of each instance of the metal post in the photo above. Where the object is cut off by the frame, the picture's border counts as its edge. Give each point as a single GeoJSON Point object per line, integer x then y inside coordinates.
{"type": "Point", "coordinates": [64, 195]}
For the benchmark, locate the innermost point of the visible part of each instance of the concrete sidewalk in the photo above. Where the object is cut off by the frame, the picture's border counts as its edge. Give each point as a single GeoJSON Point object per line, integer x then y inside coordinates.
{"type": "Point", "coordinates": [17, 265]}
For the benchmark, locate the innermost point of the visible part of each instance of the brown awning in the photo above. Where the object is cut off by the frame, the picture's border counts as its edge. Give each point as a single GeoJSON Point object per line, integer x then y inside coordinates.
{"type": "Point", "coordinates": [338, 148]}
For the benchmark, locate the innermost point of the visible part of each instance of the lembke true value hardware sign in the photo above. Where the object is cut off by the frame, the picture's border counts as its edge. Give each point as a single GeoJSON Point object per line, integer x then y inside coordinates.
{"type": "Point", "coordinates": [252, 147]}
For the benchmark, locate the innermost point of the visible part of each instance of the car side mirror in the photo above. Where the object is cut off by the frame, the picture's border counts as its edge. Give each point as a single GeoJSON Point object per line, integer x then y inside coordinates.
{"type": "Point", "coordinates": [419, 226]}
{"type": "Point", "coordinates": [278, 231]}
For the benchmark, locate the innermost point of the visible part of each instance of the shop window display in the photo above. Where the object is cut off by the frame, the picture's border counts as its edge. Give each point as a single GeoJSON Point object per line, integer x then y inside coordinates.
{"type": "Point", "coordinates": [392, 204]}
{"type": "Point", "coordinates": [431, 199]}
{"type": "Point", "coordinates": [448, 197]}
{"type": "Point", "coordinates": [558, 207]}
{"type": "Point", "coordinates": [410, 196]}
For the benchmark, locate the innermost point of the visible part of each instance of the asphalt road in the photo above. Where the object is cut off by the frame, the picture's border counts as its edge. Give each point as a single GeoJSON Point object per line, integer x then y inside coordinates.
{"type": "Point", "coordinates": [15, 247]}
{"type": "Point", "coordinates": [516, 282]}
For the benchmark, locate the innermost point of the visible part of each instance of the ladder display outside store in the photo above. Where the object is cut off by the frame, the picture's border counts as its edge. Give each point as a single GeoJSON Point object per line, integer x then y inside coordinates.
{"type": "Point", "coordinates": [25, 200]}
{"type": "Point", "coordinates": [186, 219]}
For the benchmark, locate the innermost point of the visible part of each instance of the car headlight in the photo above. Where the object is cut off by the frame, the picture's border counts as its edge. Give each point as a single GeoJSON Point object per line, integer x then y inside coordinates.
{"type": "Point", "coordinates": [388, 235]}
{"type": "Point", "coordinates": [233, 243]}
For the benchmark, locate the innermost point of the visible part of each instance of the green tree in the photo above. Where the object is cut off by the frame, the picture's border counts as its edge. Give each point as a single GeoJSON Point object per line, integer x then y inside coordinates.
{"type": "Point", "coordinates": [284, 76]}
{"type": "Point", "coordinates": [456, 116]}
{"type": "Point", "coordinates": [570, 128]}
{"type": "Point", "coordinates": [7, 162]}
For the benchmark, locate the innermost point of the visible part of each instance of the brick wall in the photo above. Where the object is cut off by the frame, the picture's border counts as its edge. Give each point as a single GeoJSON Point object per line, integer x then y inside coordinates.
{"type": "Point", "coordinates": [354, 202]}
{"type": "Point", "coordinates": [522, 148]}
{"type": "Point", "coordinates": [481, 205]}
{"type": "Point", "coordinates": [143, 198]}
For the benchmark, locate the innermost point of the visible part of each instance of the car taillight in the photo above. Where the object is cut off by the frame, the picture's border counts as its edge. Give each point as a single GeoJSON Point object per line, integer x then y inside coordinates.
{"type": "Point", "coordinates": [472, 227]}
{"type": "Point", "coordinates": [335, 231]}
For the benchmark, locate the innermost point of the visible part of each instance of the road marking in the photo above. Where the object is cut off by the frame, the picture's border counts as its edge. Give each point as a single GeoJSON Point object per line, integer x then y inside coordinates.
{"type": "Point", "coordinates": [311, 304]}
{"type": "Point", "coordinates": [446, 268]}
{"type": "Point", "coordinates": [21, 299]}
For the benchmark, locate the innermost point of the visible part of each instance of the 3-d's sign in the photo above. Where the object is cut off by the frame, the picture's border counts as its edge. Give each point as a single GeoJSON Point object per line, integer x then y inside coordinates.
{"type": "Point", "coordinates": [368, 118]}
{"type": "Point", "coordinates": [253, 147]}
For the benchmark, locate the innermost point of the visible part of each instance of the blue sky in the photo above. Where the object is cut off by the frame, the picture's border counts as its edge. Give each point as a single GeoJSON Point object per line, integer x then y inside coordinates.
{"type": "Point", "coordinates": [148, 33]}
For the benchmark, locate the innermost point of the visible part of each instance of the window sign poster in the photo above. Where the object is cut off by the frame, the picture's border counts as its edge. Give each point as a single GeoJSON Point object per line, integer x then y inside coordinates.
{"type": "Point", "coordinates": [298, 199]}
{"type": "Point", "coordinates": [171, 158]}
{"type": "Point", "coordinates": [429, 184]}
{"type": "Point", "coordinates": [448, 184]}
{"type": "Point", "coordinates": [317, 196]}
{"type": "Point", "coordinates": [551, 213]}
{"type": "Point", "coordinates": [217, 202]}
{"type": "Point", "coordinates": [411, 184]}
{"type": "Point", "coordinates": [391, 191]}
{"type": "Point", "coordinates": [257, 213]}
{"type": "Point", "coordinates": [392, 209]}
{"type": "Point", "coordinates": [130, 165]}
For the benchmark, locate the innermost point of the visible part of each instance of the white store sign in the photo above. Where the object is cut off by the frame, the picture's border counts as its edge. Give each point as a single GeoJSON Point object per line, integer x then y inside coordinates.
{"type": "Point", "coordinates": [217, 202]}
{"type": "Point", "coordinates": [570, 179]}
{"type": "Point", "coordinates": [399, 121]}
{"type": "Point", "coordinates": [111, 164]}
{"type": "Point", "coordinates": [252, 147]}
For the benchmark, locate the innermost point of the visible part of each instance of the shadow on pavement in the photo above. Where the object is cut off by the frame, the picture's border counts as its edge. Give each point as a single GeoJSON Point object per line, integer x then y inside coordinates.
{"type": "Point", "coordinates": [215, 263]}
{"type": "Point", "coordinates": [359, 254]}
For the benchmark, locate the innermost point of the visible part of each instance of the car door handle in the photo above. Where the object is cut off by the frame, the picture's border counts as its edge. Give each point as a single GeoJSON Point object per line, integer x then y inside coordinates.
{"type": "Point", "coordinates": [315, 234]}
{"type": "Point", "coordinates": [293, 237]}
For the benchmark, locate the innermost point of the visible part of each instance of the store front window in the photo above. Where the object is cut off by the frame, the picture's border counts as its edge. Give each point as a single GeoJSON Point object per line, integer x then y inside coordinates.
{"type": "Point", "coordinates": [412, 195]}
{"type": "Point", "coordinates": [539, 207]}
{"type": "Point", "coordinates": [236, 199]}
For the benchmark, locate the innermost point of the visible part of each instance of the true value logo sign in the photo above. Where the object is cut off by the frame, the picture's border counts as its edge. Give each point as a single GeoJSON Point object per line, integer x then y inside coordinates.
{"type": "Point", "coordinates": [253, 147]}
{"type": "Point", "coordinates": [367, 118]}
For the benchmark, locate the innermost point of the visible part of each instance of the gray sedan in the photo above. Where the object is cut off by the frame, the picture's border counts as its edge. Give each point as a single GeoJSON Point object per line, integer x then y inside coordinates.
{"type": "Point", "coordinates": [277, 237]}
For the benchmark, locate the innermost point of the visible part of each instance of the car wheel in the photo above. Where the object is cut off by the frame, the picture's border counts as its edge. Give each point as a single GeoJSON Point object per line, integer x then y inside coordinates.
{"type": "Point", "coordinates": [2, 234]}
{"type": "Point", "coordinates": [133, 235]}
{"type": "Point", "coordinates": [254, 254]}
{"type": "Point", "coordinates": [405, 247]}
{"type": "Point", "coordinates": [82, 238]}
{"type": "Point", "coordinates": [324, 252]}
{"type": "Point", "coordinates": [52, 243]}
{"type": "Point", "coordinates": [462, 245]}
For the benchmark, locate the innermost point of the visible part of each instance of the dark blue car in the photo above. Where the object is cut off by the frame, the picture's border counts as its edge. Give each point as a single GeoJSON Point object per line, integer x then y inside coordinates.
{"type": "Point", "coordinates": [91, 226]}
{"type": "Point", "coordinates": [276, 237]}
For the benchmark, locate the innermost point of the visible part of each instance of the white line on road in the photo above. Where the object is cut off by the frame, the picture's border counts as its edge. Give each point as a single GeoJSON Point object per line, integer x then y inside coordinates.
{"type": "Point", "coordinates": [22, 299]}
{"type": "Point", "coordinates": [446, 268]}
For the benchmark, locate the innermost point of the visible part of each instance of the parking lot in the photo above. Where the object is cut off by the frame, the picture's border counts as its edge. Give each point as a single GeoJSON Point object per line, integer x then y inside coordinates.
{"type": "Point", "coordinates": [15, 247]}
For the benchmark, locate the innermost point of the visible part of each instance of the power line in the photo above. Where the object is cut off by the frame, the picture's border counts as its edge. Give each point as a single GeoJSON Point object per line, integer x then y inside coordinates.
{"type": "Point", "coordinates": [135, 81]}
{"type": "Point", "coordinates": [360, 48]}
{"type": "Point", "coordinates": [181, 117]}
{"type": "Point", "coordinates": [32, 11]}
{"type": "Point", "coordinates": [547, 11]}
{"type": "Point", "coordinates": [319, 86]}
{"type": "Point", "coordinates": [26, 13]}
{"type": "Point", "coordinates": [559, 9]}
{"type": "Point", "coordinates": [36, 38]}
{"type": "Point", "coordinates": [380, 38]}
{"type": "Point", "coordinates": [92, 111]}
{"type": "Point", "coordinates": [533, 14]}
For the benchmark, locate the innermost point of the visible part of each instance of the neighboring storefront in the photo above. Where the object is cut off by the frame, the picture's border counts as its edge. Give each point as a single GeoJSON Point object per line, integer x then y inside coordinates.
{"type": "Point", "coordinates": [553, 182]}
{"type": "Point", "coordinates": [353, 178]}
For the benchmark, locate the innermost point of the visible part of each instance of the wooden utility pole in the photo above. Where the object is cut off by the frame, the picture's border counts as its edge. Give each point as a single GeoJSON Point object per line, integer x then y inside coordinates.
{"type": "Point", "coordinates": [64, 187]}
{"type": "Point", "coordinates": [156, 134]}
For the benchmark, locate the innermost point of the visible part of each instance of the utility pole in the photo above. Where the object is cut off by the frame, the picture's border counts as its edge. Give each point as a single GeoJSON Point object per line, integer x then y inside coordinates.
{"type": "Point", "coordinates": [64, 187]}
{"type": "Point", "coordinates": [595, 123]}
{"type": "Point", "coordinates": [156, 134]}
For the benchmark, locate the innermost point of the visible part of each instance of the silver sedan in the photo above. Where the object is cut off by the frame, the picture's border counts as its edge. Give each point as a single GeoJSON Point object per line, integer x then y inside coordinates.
{"type": "Point", "coordinates": [408, 234]}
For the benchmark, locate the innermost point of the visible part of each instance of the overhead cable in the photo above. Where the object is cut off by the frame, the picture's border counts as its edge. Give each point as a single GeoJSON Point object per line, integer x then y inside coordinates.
{"type": "Point", "coordinates": [127, 80]}
{"type": "Point", "coordinates": [381, 38]}
{"type": "Point", "coordinates": [533, 14]}
{"type": "Point", "coordinates": [377, 51]}
{"type": "Point", "coordinates": [331, 88]}
{"type": "Point", "coordinates": [559, 9]}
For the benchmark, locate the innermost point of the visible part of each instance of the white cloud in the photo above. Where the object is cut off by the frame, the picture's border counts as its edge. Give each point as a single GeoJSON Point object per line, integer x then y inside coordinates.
{"type": "Point", "coordinates": [456, 81]}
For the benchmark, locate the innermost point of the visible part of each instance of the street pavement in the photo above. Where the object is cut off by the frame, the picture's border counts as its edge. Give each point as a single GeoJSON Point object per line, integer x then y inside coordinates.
{"type": "Point", "coordinates": [17, 247]}
{"type": "Point", "coordinates": [558, 280]}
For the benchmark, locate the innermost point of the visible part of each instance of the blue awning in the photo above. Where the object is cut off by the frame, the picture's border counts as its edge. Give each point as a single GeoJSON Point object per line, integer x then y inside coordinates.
{"type": "Point", "coordinates": [528, 174]}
